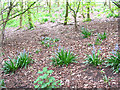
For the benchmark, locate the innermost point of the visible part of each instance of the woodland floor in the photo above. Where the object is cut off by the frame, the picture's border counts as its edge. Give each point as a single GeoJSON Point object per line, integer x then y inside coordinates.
{"type": "Point", "coordinates": [76, 75]}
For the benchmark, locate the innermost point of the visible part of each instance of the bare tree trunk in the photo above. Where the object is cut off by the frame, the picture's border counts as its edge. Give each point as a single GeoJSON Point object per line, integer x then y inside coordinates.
{"type": "Point", "coordinates": [2, 32]}
{"type": "Point", "coordinates": [88, 10]}
{"type": "Point", "coordinates": [30, 18]}
{"type": "Point", "coordinates": [110, 6]}
{"type": "Point", "coordinates": [5, 22]}
{"type": "Point", "coordinates": [83, 13]}
{"type": "Point", "coordinates": [49, 6]}
{"type": "Point", "coordinates": [75, 14]}
{"type": "Point", "coordinates": [58, 2]}
{"type": "Point", "coordinates": [75, 20]}
{"type": "Point", "coordinates": [21, 18]}
{"type": "Point", "coordinates": [1, 28]}
{"type": "Point", "coordinates": [105, 3]}
{"type": "Point", "coordinates": [66, 16]}
{"type": "Point", "coordinates": [37, 8]}
{"type": "Point", "coordinates": [47, 2]}
{"type": "Point", "coordinates": [119, 13]}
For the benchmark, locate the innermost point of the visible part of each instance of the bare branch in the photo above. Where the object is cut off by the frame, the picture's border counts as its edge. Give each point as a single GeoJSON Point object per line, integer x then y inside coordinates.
{"type": "Point", "coordinates": [71, 8]}
{"type": "Point", "coordinates": [20, 13]}
{"type": "Point", "coordinates": [9, 7]}
{"type": "Point", "coordinates": [117, 3]}
{"type": "Point", "coordinates": [78, 7]}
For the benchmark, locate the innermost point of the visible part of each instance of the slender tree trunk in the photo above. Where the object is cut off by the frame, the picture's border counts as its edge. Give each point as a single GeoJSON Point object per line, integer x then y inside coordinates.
{"type": "Point", "coordinates": [88, 12]}
{"type": "Point", "coordinates": [5, 22]}
{"type": "Point", "coordinates": [37, 8]}
{"type": "Point", "coordinates": [30, 18]}
{"type": "Point", "coordinates": [21, 18]}
{"type": "Point", "coordinates": [47, 2]}
{"type": "Point", "coordinates": [1, 26]}
{"type": "Point", "coordinates": [49, 6]}
{"type": "Point", "coordinates": [66, 16]}
{"type": "Point", "coordinates": [75, 20]}
{"type": "Point", "coordinates": [119, 13]}
{"type": "Point", "coordinates": [2, 32]}
{"type": "Point", "coordinates": [83, 13]}
{"type": "Point", "coordinates": [105, 3]}
{"type": "Point", "coordinates": [75, 14]}
{"type": "Point", "coordinates": [110, 6]}
{"type": "Point", "coordinates": [58, 2]}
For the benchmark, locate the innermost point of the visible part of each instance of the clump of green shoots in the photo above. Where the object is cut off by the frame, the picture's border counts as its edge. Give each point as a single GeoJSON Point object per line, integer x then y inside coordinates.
{"type": "Point", "coordinates": [105, 78]}
{"type": "Point", "coordinates": [63, 57]}
{"type": "Point", "coordinates": [48, 42]}
{"type": "Point", "coordinates": [114, 60]}
{"type": "Point", "coordinates": [95, 58]}
{"type": "Point", "coordinates": [22, 60]}
{"type": "Point", "coordinates": [2, 84]}
{"type": "Point", "coordinates": [100, 38]}
{"type": "Point", "coordinates": [86, 32]}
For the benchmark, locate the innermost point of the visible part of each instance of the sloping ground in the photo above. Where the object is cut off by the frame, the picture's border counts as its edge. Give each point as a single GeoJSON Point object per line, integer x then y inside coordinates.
{"type": "Point", "coordinates": [75, 75]}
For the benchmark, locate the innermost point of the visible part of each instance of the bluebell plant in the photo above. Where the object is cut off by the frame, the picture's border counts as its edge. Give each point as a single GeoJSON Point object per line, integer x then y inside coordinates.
{"type": "Point", "coordinates": [114, 60]}
{"type": "Point", "coordinates": [63, 57]}
{"type": "Point", "coordinates": [22, 60]}
{"type": "Point", "coordinates": [95, 58]}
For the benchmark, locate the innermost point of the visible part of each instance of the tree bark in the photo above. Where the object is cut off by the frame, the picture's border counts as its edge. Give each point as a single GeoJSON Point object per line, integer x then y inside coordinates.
{"type": "Point", "coordinates": [4, 24]}
{"type": "Point", "coordinates": [88, 12]}
{"type": "Point", "coordinates": [30, 18]}
{"type": "Point", "coordinates": [47, 2]}
{"type": "Point", "coordinates": [105, 3]}
{"type": "Point", "coordinates": [50, 6]}
{"type": "Point", "coordinates": [83, 13]}
{"type": "Point", "coordinates": [66, 16]}
{"type": "Point", "coordinates": [75, 14]}
{"type": "Point", "coordinates": [21, 19]}
{"type": "Point", "coordinates": [110, 6]}
{"type": "Point", "coordinates": [37, 8]}
{"type": "Point", "coordinates": [58, 2]}
{"type": "Point", "coordinates": [20, 13]}
{"type": "Point", "coordinates": [75, 20]}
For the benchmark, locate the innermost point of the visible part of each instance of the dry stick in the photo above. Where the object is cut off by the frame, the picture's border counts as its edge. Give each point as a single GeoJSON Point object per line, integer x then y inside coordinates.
{"type": "Point", "coordinates": [19, 13]}
{"type": "Point", "coordinates": [75, 14]}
